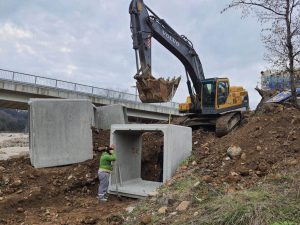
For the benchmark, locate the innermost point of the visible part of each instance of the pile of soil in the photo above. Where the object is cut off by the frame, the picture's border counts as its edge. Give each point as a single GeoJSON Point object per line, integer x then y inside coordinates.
{"type": "Point", "coordinates": [60, 195]}
{"type": "Point", "coordinates": [100, 138]}
{"type": "Point", "coordinates": [269, 141]}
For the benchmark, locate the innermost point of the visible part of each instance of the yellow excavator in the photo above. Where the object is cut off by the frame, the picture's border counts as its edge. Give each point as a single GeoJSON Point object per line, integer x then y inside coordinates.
{"type": "Point", "coordinates": [210, 102]}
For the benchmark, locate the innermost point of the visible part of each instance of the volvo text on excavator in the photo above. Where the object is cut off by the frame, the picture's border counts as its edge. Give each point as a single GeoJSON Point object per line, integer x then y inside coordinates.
{"type": "Point", "coordinates": [210, 102]}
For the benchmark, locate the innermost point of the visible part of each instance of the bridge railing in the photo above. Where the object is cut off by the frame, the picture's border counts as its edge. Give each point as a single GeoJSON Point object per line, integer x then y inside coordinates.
{"type": "Point", "coordinates": [75, 87]}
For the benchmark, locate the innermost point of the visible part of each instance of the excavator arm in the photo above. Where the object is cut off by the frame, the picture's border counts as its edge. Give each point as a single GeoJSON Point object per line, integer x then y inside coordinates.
{"type": "Point", "coordinates": [145, 24]}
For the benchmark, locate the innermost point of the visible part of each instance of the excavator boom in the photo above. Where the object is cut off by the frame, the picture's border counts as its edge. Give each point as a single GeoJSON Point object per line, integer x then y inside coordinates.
{"type": "Point", "coordinates": [145, 24]}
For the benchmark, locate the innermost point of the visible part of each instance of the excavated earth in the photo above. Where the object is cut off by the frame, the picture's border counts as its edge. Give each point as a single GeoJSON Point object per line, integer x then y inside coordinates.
{"type": "Point", "coordinates": [269, 141]}
{"type": "Point", "coordinates": [61, 195]}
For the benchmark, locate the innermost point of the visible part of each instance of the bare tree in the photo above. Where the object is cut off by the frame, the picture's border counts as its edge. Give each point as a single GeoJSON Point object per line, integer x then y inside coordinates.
{"type": "Point", "coordinates": [280, 20]}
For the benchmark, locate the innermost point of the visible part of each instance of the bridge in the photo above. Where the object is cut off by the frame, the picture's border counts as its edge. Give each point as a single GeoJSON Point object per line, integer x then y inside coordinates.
{"type": "Point", "coordinates": [17, 88]}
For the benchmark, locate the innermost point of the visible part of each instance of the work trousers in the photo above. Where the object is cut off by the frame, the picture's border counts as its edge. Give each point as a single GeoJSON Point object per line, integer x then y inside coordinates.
{"type": "Point", "coordinates": [104, 182]}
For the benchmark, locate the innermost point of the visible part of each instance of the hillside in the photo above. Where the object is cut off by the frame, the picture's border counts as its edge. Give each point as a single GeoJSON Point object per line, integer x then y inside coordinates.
{"type": "Point", "coordinates": [12, 120]}
{"type": "Point", "coordinates": [259, 185]}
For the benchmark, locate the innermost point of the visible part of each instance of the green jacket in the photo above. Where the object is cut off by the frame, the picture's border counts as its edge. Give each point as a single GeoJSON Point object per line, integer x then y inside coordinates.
{"type": "Point", "coordinates": [105, 161]}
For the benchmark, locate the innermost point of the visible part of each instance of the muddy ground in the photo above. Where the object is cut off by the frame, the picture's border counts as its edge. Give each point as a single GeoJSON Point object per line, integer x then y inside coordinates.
{"type": "Point", "coordinates": [61, 195]}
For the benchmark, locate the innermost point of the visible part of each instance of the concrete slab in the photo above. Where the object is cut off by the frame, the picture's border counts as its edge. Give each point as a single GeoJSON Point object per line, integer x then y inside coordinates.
{"type": "Point", "coordinates": [126, 177]}
{"type": "Point", "coordinates": [105, 116]}
{"type": "Point", "coordinates": [60, 132]}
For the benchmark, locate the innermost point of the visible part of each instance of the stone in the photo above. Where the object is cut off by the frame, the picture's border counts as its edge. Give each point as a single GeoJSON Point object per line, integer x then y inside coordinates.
{"type": "Point", "coordinates": [230, 190]}
{"type": "Point", "coordinates": [292, 162]}
{"type": "Point", "coordinates": [166, 200]}
{"type": "Point", "coordinates": [162, 210]}
{"type": "Point", "coordinates": [207, 179]}
{"type": "Point", "coordinates": [5, 179]}
{"type": "Point", "coordinates": [227, 158]}
{"type": "Point", "coordinates": [89, 221]}
{"type": "Point", "coordinates": [194, 163]}
{"type": "Point", "coordinates": [173, 213]}
{"type": "Point", "coordinates": [243, 171]}
{"type": "Point", "coordinates": [263, 167]}
{"type": "Point", "coordinates": [234, 151]}
{"type": "Point", "coordinates": [234, 174]}
{"type": "Point", "coordinates": [146, 219]}
{"type": "Point", "coordinates": [130, 209]}
{"type": "Point", "coordinates": [1, 198]}
{"type": "Point", "coordinates": [286, 144]}
{"type": "Point", "coordinates": [196, 214]}
{"type": "Point", "coordinates": [258, 173]}
{"type": "Point", "coordinates": [197, 184]}
{"type": "Point", "coordinates": [258, 148]}
{"type": "Point", "coordinates": [16, 183]}
{"type": "Point", "coordinates": [244, 156]}
{"type": "Point", "coordinates": [196, 142]}
{"type": "Point", "coordinates": [183, 206]}
{"type": "Point", "coordinates": [153, 194]}
{"type": "Point", "coordinates": [2, 168]}
{"type": "Point", "coordinates": [233, 178]}
{"type": "Point", "coordinates": [20, 210]}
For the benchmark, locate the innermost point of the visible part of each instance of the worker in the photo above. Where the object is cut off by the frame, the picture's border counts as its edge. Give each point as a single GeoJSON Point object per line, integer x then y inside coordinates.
{"type": "Point", "coordinates": [160, 162]}
{"type": "Point", "coordinates": [105, 168]}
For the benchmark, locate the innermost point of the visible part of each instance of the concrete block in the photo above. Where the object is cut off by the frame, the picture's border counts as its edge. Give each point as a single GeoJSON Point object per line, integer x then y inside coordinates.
{"type": "Point", "coordinates": [60, 132]}
{"type": "Point", "coordinates": [126, 177]}
{"type": "Point", "coordinates": [105, 116]}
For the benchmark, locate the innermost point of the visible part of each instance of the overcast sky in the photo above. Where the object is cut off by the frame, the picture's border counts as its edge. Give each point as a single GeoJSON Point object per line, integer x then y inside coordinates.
{"type": "Point", "coordinates": [89, 41]}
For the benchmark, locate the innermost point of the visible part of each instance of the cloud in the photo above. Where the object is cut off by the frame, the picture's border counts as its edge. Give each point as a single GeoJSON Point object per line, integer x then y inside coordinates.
{"type": "Point", "coordinates": [65, 50]}
{"type": "Point", "coordinates": [9, 30]}
{"type": "Point", "coordinates": [70, 69]}
{"type": "Point", "coordinates": [25, 49]}
{"type": "Point", "coordinates": [90, 42]}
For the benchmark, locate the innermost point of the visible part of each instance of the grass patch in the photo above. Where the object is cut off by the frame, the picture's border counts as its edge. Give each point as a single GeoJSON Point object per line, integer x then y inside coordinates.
{"type": "Point", "coordinates": [274, 202]}
{"type": "Point", "coordinates": [257, 206]}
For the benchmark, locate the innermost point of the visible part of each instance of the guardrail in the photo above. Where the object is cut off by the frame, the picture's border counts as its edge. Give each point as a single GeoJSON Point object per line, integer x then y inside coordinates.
{"type": "Point", "coordinates": [74, 87]}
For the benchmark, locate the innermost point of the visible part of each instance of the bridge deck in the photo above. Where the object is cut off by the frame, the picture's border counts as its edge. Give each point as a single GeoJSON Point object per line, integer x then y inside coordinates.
{"type": "Point", "coordinates": [17, 88]}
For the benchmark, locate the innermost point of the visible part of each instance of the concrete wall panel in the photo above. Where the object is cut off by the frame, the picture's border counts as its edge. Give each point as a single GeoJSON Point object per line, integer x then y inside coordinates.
{"type": "Point", "coordinates": [108, 115]}
{"type": "Point", "coordinates": [60, 132]}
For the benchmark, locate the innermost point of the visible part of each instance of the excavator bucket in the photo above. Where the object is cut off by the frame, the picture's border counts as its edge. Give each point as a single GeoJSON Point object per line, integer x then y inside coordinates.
{"type": "Point", "coordinates": [153, 90]}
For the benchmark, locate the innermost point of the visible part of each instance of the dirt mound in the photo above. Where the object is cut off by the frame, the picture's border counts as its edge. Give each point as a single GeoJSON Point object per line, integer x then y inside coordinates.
{"type": "Point", "coordinates": [266, 142]}
{"type": "Point", "coordinates": [100, 138]}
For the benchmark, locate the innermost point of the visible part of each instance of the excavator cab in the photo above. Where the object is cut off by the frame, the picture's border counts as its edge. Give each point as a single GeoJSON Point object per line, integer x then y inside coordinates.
{"type": "Point", "coordinates": [214, 96]}
{"type": "Point", "coordinates": [215, 92]}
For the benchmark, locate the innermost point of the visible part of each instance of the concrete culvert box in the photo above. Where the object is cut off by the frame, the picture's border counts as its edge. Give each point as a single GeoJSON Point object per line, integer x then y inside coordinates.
{"type": "Point", "coordinates": [126, 179]}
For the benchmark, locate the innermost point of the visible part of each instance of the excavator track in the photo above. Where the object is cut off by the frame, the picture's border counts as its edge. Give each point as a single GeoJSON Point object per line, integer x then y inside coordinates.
{"type": "Point", "coordinates": [226, 123]}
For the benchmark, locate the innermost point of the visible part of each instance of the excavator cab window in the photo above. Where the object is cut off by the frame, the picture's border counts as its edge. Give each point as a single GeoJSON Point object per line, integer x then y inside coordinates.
{"type": "Point", "coordinates": [223, 92]}
{"type": "Point", "coordinates": [208, 94]}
